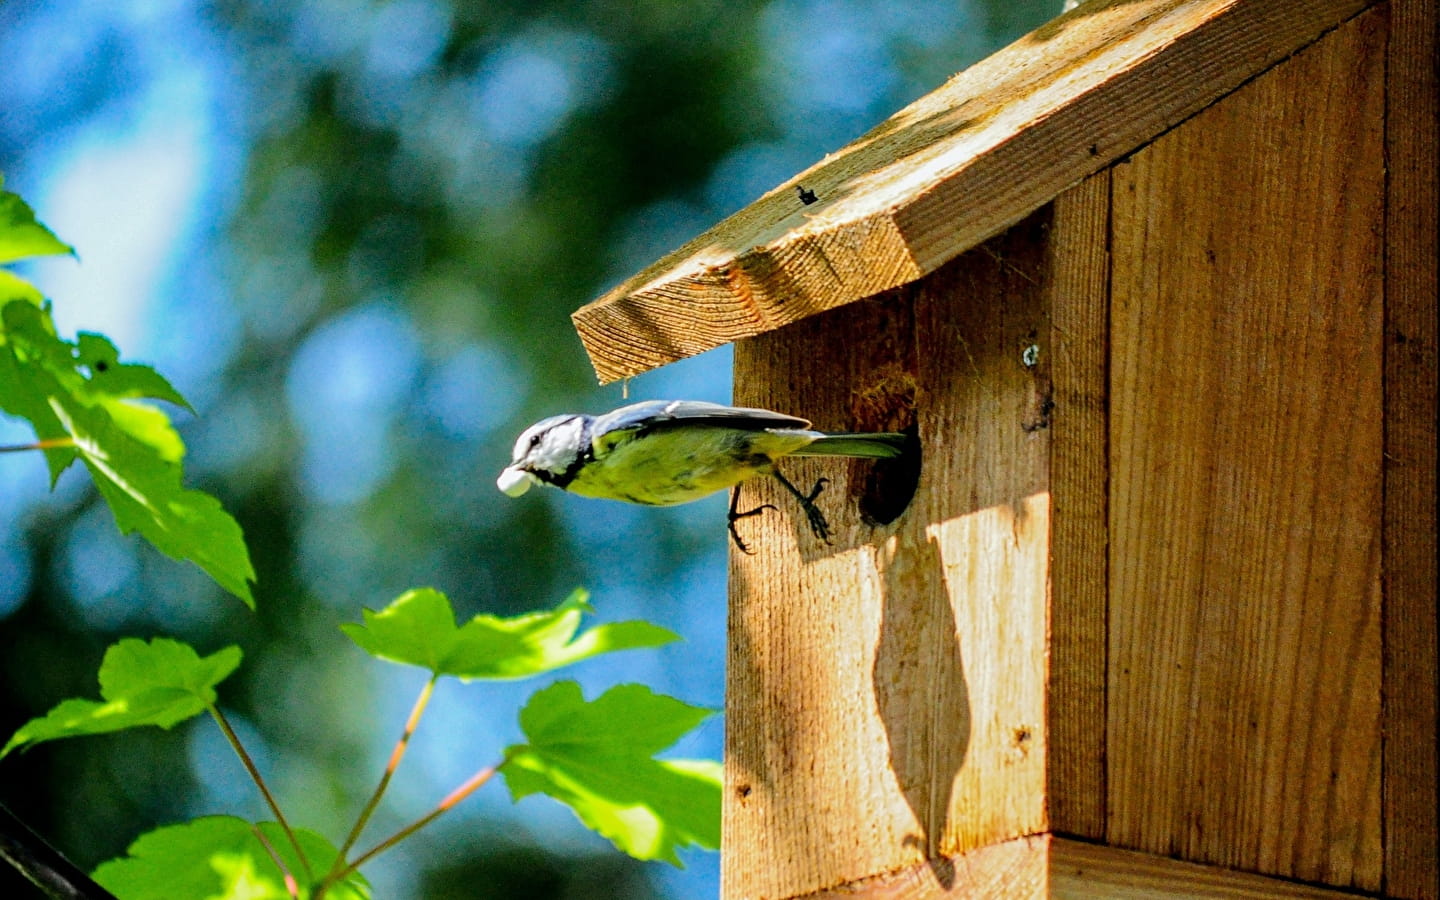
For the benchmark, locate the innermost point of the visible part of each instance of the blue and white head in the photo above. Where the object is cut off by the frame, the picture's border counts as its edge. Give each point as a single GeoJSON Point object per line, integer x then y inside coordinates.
{"type": "Point", "coordinates": [548, 452]}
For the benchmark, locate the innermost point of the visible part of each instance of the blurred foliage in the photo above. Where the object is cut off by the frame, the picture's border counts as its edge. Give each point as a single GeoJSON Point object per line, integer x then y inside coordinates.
{"type": "Point", "coordinates": [509, 872]}
{"type": "Point", "coordinates": [419, 195]}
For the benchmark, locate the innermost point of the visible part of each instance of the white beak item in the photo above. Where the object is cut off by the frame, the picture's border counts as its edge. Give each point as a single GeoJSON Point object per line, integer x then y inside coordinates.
{"type": "Point", "coordinates": [514, 482]}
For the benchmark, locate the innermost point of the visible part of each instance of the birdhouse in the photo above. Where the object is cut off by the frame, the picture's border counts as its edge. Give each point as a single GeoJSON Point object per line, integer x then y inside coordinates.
{"type": "Point", "coordinates": [1149, 608]}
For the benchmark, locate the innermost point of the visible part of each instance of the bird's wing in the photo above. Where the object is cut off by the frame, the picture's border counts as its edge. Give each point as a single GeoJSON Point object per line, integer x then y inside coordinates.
{"type": "Point", "coordinates": [650, 415]}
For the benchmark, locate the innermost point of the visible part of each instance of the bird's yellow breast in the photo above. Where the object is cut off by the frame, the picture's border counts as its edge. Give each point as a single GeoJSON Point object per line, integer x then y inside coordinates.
{"type": "Point", "coordinates": [677, 465]}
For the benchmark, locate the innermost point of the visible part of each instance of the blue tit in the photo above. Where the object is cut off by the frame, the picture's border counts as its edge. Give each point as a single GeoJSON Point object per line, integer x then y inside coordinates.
{"type": "Point", "coordinates": [660, 453]}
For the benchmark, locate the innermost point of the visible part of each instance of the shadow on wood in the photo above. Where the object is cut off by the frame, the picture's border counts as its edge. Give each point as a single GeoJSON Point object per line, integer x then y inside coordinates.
{"type": "Point", "coordinates": [921, 692]}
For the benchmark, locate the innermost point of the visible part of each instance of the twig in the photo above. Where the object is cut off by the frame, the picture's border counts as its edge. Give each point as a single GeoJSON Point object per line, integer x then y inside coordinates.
{"type": "Point", "coordinates": [469, 787]}
{"type": "Point", "coordinates": [395, 756]}
{"type": "Point", "coordinates": [290, 884]}
{"type": "Point", "coordinates": [47, 444]}
{"type": "Point", "coordinates": [249, 765]}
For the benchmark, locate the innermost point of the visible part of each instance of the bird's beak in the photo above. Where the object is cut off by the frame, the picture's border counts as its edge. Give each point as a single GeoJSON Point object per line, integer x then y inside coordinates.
{"type": "Point", "coordinates": [514, 481]}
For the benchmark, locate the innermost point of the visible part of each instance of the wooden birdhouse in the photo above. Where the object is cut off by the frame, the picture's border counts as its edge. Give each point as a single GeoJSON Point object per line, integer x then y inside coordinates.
{"type": "Point", "coordinates": [1150, 612]}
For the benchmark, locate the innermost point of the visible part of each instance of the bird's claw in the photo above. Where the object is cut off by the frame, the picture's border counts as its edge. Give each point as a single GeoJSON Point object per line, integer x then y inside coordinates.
{"type": "Point", "coordinates": [819, 526]}
{"type": "Point", "coordinates": [736, 515]}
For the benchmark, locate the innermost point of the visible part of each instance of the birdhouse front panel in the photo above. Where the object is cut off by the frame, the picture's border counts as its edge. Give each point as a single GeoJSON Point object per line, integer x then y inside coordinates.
{"type": "Point", "coordinates": [873, 724]}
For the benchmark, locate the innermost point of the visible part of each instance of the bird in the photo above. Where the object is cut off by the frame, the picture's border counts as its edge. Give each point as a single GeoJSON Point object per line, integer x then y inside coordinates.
{"type": "Point", "coordinates": [666, 452]}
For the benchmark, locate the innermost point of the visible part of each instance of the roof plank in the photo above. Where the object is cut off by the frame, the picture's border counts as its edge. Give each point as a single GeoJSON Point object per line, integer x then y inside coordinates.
{"type": "Point", "coordinates": [957, 166]}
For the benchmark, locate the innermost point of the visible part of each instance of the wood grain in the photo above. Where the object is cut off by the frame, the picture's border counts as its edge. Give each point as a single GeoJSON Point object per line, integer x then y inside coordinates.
{"type": "Point", "coordinates": [1081, 871]}
{"type": "Point", "coordinates": [958, 166]}
{"type": "Point", "coordinates": [1246, 440]}
{"type": "Point", "coordinates": [1412, 136]}
{"type": "Point", "coordinates": [1077, 296]}
{"type": "Point", "coordinates": [1011, 870]}
{"type": "Point", "coordinates": [1038, 866]}
{"type": "Point", "coordinates": [885, 701]}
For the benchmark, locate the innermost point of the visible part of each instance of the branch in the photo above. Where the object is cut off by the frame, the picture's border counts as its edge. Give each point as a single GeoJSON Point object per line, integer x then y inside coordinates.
{"type": "Point", "coordinates": [42, 864]}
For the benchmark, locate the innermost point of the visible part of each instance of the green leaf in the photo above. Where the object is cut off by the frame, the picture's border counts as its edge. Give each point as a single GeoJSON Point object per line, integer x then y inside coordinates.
{"type": "Point", "coordinates": [111, 378]}
{"type": "Point", "coordinates": [131, 450]}
{"type": "Point", "coordinates": [149, 426]}
{"type": "Point", "coordinates": [419, 629]}
{"type": "Point", "coordinates": [597, 758]}
{"type": "Point", "coordinates": [29, 354]}
{"type": "Point", "coordinates": [21, 236]}
{"type": "Point", "coordinates": [82, 393]}
{"type": "Point", "coordinates": [162, 682]}
{"type": "Point", "coordinates": [220, 858]}
{"type": "Point", "coordinates": [19, 397]}
{"type": "Point", "coordinates": [144, 492]}
{"type": "Point", "coordinates": [13, 287]}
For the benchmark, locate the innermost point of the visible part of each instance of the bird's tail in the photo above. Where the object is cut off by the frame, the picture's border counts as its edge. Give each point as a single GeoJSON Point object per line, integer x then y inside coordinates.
{"type": "Point", "coordinates": [874, 445]}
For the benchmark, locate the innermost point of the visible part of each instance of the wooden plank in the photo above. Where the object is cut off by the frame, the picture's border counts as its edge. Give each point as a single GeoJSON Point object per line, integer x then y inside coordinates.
{"type": "Point", "coordinates": [885, 701]}
{"type": "Point", "coordinates": [1081, 871]}
{"type": "Point", "coordinates": [1045, 866]}
{"type": "Point", "coordinates": [1246, 440]}
{"type": "Point", "coordinates": [1412, 136]}
{"type": "Point", "coordinates": [1078, 300]}
{"type": "Point", "coordinates": [1010, 870]}
{"type": "Point", "coordinates": [952, 169]}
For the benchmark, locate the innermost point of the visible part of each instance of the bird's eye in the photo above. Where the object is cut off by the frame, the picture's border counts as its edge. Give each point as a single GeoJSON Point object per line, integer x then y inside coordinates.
{"type": "Point", "coordinates": [534, 441]}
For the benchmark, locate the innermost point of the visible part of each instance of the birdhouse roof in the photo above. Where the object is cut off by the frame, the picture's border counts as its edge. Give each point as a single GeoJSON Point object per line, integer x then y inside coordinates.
{"type": "Point", "coordinates": [956, 167]}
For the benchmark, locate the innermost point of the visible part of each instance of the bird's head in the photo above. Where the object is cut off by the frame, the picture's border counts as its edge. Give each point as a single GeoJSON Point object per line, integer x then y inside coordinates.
{"type": "Point", "coordinates": [546, 452]}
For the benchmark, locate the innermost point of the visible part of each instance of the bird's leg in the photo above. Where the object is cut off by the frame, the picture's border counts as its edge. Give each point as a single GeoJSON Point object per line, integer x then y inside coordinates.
{"type": "Point", "coordinates": [818, 525]}
{"type": "Point", "coordinates": [735, 515]}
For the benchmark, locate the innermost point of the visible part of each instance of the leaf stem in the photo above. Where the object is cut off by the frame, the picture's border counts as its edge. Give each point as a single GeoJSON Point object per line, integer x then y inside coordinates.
{"type": "Point", "coordinates": [47, 444]}
{"type": "Point", "coordinates": [249, 765]}
{"type": "Point", "coordinates": [396, 755]}
{"type": "Point", "coordinates": [290, 884]}
{"type": "Point", "coordinates": [472, 784]}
